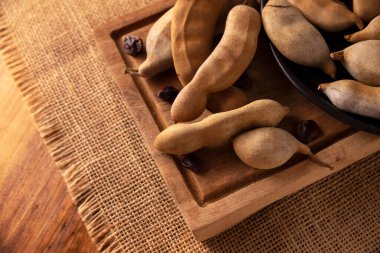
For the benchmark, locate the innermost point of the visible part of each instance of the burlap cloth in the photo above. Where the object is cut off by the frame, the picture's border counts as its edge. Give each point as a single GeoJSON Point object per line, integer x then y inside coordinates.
{"type": "Point", "coordinates": [49, 47]}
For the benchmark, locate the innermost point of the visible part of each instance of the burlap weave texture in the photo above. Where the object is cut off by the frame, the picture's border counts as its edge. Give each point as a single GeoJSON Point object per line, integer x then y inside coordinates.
{"type": "Point", "coordinates": [121, 197]}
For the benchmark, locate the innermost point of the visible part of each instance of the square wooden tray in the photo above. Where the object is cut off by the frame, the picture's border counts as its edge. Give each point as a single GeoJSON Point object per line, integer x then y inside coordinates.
{"type": "Point", "coordinates": [229, 191]}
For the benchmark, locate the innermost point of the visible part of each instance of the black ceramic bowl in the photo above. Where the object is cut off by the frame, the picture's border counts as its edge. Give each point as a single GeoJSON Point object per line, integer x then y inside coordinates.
{"type": "Point", "coordinates": [307, 79]}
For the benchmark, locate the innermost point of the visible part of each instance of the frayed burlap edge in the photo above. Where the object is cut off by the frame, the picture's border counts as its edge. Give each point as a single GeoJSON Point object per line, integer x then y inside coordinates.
{"type": "Point", "coordinates": [58, 146]}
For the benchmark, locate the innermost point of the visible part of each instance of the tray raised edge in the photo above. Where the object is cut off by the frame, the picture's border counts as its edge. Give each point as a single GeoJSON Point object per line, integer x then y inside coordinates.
{"type": "Point", "coordinates": [208, 221]}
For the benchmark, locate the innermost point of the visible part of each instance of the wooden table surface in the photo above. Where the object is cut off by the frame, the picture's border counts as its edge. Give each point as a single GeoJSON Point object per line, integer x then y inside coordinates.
{"type": "Point", "coordinates": [36, 211]}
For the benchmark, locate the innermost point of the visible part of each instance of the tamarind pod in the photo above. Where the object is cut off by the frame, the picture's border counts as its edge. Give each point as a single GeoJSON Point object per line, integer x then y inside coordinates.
{"type": "Point", "coordinates": [353, 96]}
{"type": "Point", "coordinates": [270, 147]}
{"type": "Point", "coordinates": [159, 58]}
{"type": "Point", "coordinates": [192, 30]}
{"type": "Point", "coordinates": [224, 66]}
{"type": "Point", "coordinates": [158, 43]}
{"type": "Point", "coordinates": [295, 37]}
{"type": "Point", "coordinates": [158, 51]}
{"type": "Point", "coordinates": [371, 32]}
{"type": "Point", "coordinates": [219, 128]}
{"type": "Point", "coordinates": [362, 61]}
{"type": "Point", "coordinates": [329, 15]}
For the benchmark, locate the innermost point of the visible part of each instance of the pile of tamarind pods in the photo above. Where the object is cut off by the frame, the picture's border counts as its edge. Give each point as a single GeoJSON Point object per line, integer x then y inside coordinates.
{"type": "Point", "coordinates": [282, 19]}
{"type": "Point", "coordinates": [182, 38]}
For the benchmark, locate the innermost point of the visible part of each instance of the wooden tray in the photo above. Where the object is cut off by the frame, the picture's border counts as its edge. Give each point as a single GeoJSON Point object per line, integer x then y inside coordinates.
{"type": "Point", "coordinates": [229, 191]}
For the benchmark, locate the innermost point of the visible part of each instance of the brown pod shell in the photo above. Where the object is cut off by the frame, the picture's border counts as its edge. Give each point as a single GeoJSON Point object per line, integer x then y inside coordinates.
{"type": "Point", "coordinates": [192, 30]}
{"type": "Point", "coordinates": [328, 15]}
{"type": "Point", "coordinates": [224, 66]}
{"type": "Point", "coordinates": [158, 44]}
{"type": "Point", "coordinates": [159, 58]}
{"type": "Point", "coordinates": [158, 50]}
{"type": "Point", "coordinates": [353, 96]}
{"type": "Point", "coordinates": [269, 147]}
{"type": "Point", "coordinates": [371, 32]}
{"type": "Point", "coordinates": [295, 37]}
{"type": "Point", "coordinates": [362, 61]}
{"type": "Point", "coordinates": [217, 129]}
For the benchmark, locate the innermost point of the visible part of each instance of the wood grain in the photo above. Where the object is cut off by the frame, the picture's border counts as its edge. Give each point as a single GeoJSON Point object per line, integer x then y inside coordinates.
{"type": "Point", "coordinates": [229, 191]}
{"type": "Point", "coordinates": [36, 211]}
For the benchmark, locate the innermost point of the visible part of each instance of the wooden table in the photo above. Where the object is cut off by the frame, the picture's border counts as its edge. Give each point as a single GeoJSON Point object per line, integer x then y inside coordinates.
{"type": "Point", "coordinates": [36, 211]}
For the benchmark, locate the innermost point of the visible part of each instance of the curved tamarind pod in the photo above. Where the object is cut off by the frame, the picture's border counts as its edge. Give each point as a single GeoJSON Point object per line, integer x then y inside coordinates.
{"type": "Point", "coordinates": [366, 9]}
{"type": "Point", "coordinates": [221, 23]}
{"type": "Point", "coordinates": [232, 97]}
{"type": "Point", "coordinates": [192, 30]}
{"type": "Point", "coordinates": [328, 15]}
{"type": "Point", "coordinates": [269, 147]}
{"type": "Point", "coordinates": [224, 66]}
{"type": "Point", "coordinates": [159, 58]}
{"type": "Point", "coordinates": [362, 61]}
{"type": "Point", "coordinates": [295, 37]}
{"type": "Point", "coordinates": [353, 96]}
{"type": "Point", "coordinates": [219, 128]}
{"type": "Point", "coordinates": [158, 43]}
{"type": "Point", "coordinates": [371, 32]}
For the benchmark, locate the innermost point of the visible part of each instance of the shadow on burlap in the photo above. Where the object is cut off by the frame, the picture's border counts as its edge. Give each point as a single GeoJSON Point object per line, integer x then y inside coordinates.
{"type": "Point", "coordinates": [121, 197]}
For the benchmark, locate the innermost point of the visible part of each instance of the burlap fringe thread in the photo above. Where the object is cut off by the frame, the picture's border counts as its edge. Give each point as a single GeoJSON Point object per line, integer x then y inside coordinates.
{"type": "Point", "coordinates": [60, 149]}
